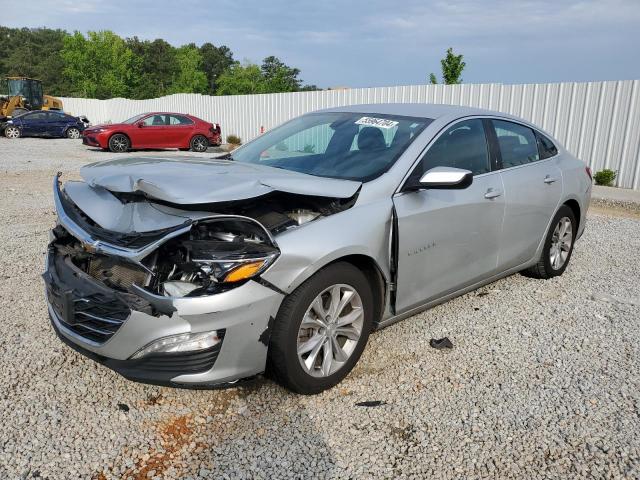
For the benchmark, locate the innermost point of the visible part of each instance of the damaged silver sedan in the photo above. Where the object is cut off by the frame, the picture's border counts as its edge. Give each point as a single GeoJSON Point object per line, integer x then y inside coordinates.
{"type": "Point", "coordinates": [284, 255]}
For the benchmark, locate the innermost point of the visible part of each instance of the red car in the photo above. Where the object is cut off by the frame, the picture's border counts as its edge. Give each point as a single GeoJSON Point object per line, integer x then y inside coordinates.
{"type": "Point", "coordinates": [154, 130]}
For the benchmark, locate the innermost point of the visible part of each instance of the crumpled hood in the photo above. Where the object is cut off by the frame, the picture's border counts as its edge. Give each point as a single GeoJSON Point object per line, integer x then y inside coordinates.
{"type": "Point", "coordinates": [188, 180]}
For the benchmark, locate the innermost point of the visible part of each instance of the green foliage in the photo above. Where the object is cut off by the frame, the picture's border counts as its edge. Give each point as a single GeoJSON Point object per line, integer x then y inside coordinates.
{"type": "Point", "coordinates": [605, 177]}
{"type": "Point", "coordinates": [452, 67]}
{"type": "Point", "coordinates": [234, 140]}
{"type": "Point", "coordinates": [241, 79]}
{"type": "Point", "coordinates": [215, 60]}
{"type": "Point", "coordinates": [103, 65]}
{"type": "Point", "coordinates": [155, 67]}
{"type": "Point", "coordinates": [190, 77]}
{"type": "Point", "coordinates": [99, 65]}
{"type": "Point", "coordinates": [34, 53]}
{"type": "Point", "coordinates": [273, 76]}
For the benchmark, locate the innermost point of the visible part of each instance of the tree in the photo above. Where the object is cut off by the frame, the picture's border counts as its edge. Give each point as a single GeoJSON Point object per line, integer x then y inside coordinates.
{"type": "Point", "coordinates": [190, 77]}
{"type": "Point", "coordinates": [279, 77]}
{"type": "Point", "coordinates": [241, 79]}
{"type": "Point", "coordinates": [154, 69]}
{"type": "Point", "coordinates": [99, 66]}
{"type": "Point", "coordinates": [452, 66]}
{"type": "Point", "coordinates": [34, 53]}
{"type": "Point", "coordinates": [215, 60]}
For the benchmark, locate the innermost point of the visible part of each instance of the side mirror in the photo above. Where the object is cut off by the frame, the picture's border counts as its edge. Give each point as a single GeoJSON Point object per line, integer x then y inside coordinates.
{"type": "Point", "coordinates": [444, 178]}
{"type": "Point", "coordinates": [140, 124]}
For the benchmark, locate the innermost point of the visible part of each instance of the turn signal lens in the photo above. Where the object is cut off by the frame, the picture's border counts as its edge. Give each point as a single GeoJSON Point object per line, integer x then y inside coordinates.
{"type": "Point", "coordinates": [244, 271]}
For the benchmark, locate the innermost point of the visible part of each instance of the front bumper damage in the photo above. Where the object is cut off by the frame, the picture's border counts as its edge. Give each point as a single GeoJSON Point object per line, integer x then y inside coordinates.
{"type": "Point", "coordinates": [110, 325]}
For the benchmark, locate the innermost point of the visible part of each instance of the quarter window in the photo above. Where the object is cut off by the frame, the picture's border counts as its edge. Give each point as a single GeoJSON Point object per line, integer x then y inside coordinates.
{"type": "Point", "coordinates": [518, 145]}
{"type": "Point", "coordinates": [462, 146]}
{"type": "Point", "coordinates": [546, 148]}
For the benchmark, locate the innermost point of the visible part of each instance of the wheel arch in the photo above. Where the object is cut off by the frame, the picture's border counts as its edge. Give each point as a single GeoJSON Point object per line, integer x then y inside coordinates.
{"type": "Point", "coordinates": [573, 204]}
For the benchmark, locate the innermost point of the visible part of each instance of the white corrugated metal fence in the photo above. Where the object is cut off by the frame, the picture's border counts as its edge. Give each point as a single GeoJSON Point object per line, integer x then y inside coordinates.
{"type": "Point", "coordinates": [598, 121]}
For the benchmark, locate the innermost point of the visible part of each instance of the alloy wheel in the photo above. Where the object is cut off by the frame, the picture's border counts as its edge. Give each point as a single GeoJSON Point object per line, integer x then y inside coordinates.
{"type": "Point", "coordinates": [561, 242]}
{"type": "Point", "coordinates": [330, 330]}
{"type": "Point", "coordinates": [119, 143]}
{"type": "Point", "coordinates": [12, 132]}
{"type": "Point", "coordinates": [200, 144]}
{"type": "Point", "coordinates": [73, 133]}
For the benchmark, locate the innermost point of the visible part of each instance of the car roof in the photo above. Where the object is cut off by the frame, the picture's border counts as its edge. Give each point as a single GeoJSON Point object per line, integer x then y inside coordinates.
{"type": "Point", "coordinates": [168, 113]}
{"type": "Point", "coordinates": [424, 110]}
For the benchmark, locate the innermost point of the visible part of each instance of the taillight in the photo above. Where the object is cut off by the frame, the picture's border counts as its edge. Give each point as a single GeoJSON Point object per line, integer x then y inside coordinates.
{"type": "Point", "coordinates": [588, 170]}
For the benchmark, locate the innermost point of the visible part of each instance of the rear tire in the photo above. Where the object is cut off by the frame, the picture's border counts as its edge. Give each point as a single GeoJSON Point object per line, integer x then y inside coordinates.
{"type": "Point", "coordinates": [12, 132]}
{"type": "Point", "coordinates": [119, 143]}
{"type": "Point", "coordinates": [340, 334]}
{"type": "Point", "coordinates": [199, 143]}
{"type": "Point", "coordinates": [72, 133]}
{"type": "Point", "coordinates": [558, 246]}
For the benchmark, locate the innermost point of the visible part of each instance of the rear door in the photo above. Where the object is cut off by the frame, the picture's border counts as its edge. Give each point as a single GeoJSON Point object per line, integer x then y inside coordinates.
{"type": "Point", "coordinates": [533, 187]}
{"type": "Point", "coordinates": [34, 123]}
{"type": "Point", "coordinates": [56, 124]}
{"type": "Point", "coordinates": [179, 131]}
{"type": "Point", "coordinates": [449, 239]}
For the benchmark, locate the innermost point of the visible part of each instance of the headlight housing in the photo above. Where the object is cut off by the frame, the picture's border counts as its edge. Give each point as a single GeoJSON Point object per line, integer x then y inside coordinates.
{"type": "Point", "coordinates": [214, 256]}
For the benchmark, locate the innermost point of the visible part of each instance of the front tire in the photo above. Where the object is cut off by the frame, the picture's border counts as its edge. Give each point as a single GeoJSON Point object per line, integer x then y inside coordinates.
{"type": "Point", "coordinates": [73, 133]}
{"type": "Point", "coordinates": [12, 132]}
{"type": "Point", "coordinates": [119, 143]}
{"type": "Point", "coordinates": [321, 330]}
{"type": "Point", "coordinates": [199, 143]}
{"type": "Point", "coordinates": [558, 246]}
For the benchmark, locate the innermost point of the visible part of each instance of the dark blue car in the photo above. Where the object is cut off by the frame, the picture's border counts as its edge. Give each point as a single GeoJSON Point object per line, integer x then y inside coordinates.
{"type": "Point", "coordinates": [43, 124]}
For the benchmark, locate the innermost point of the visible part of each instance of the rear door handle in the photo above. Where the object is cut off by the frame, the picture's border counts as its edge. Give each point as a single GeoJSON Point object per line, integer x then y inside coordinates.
{"type": "Point", "coordinates": [492, 193]}
{"type": "Point", "coordinates": [549, 179]}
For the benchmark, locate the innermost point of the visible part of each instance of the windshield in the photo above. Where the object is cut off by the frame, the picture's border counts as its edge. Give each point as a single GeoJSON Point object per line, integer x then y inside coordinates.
{"type": "Point", "coordinates": [134, 119]}
{"type": "Point", "coordinates": [351, 146]}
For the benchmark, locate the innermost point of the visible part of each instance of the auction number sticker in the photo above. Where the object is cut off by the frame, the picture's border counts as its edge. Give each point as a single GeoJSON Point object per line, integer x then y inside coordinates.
{"type": "Point", "coordinates": [377, 122]}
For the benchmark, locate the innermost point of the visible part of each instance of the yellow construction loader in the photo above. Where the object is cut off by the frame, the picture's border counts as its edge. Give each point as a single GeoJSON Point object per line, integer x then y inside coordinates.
{"type": "Point", "coordinates": [21, 94]}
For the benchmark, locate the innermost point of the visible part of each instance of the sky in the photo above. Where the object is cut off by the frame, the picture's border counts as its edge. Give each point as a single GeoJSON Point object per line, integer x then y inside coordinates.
{"type": "Point", "coordinates": [362, 43]}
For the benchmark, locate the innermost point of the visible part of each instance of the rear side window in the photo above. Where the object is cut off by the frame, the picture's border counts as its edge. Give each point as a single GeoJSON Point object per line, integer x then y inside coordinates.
{"type": "Point", "coordinates": [518, 145]}
{"type": "Point", "coordinates": [464, 145]}
{"type": "Point", "coordinates": [38, 116]}
{"type": "Point", "coordinates": [179, 120]}
{"type": "Point", "coordinates": [546, 148]}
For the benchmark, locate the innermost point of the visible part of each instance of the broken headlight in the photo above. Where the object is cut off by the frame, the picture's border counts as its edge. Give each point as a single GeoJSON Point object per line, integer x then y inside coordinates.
{"type": "Point", "coordinates": [212, 257]}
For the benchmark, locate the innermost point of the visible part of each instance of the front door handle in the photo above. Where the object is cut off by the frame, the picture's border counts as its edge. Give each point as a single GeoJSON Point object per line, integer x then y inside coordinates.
{"type": "Point", "coordinates": [492, 193]}
{"type": "Point", "coordinates": [549, 179]}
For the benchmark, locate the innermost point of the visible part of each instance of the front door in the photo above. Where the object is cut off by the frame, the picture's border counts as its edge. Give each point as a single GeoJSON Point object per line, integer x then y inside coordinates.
{"type": "Point", "coordinates": [449, 238]}
{"type": "Point", "coordinates": [152, 133]}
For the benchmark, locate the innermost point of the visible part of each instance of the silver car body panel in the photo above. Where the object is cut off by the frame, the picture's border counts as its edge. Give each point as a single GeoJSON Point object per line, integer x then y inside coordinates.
{"type": "Point", "coordinates": [189, 180]}
{"type": "Point", "coordinates": [450, 241]}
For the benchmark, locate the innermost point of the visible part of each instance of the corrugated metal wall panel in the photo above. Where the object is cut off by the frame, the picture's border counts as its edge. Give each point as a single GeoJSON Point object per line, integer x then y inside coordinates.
{"type": "Point", "coordinates": [599, 121]}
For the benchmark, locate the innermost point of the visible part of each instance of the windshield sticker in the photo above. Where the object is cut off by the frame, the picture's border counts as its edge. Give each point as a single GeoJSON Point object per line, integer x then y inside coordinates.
{"type": "Point", "coordinates": [377, 122]}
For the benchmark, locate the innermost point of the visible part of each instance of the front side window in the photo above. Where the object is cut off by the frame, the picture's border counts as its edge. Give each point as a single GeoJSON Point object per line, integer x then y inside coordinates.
{"type": "Point", "coordinates": [132, 120]}
{"type": "Point", "coordinates": [464, 145]}
{"type": "Point", "coordinates": [346, 145]}
{"type": "Point", "coordinates": [518, 145]}
{"type": "Point", "coordinates": [35, 117]}
{"type": "Point", "coordinates": [154, 121]}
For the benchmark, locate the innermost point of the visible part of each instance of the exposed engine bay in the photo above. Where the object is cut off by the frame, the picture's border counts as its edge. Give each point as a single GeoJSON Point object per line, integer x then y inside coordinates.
{"type": "Point", "coordinates": [225, 244]}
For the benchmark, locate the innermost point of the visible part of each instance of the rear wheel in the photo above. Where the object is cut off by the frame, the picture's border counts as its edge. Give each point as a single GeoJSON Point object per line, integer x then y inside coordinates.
{"type": "Point", "coordinates": [199, 143]}
{"type": "Point", "coordinates": [12, 132]}
{"type": "Point", "coordinates": [321, 330]}
{"type": "Point", "coordinates": [558, 246]}
{"type": "Point", "coordinates": [119, 143]}
{"type": "Point", "coordinates": [73, 132]}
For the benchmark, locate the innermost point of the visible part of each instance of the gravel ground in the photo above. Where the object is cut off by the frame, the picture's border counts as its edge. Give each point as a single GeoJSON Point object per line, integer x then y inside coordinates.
{"type": "Point", "coordinates": [543, 381]}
